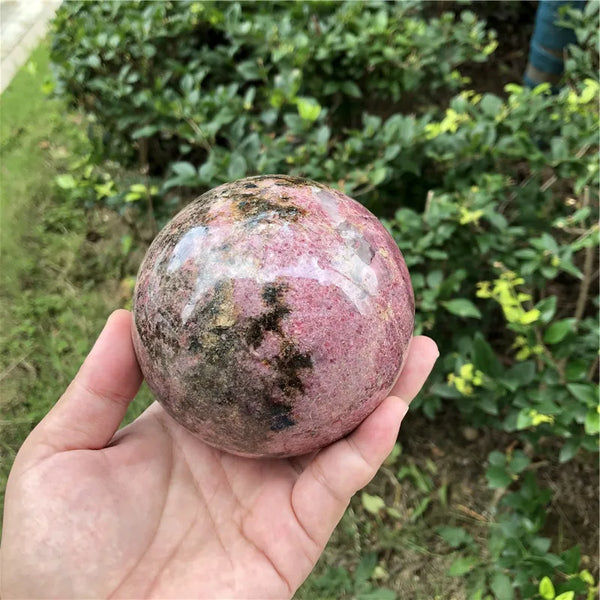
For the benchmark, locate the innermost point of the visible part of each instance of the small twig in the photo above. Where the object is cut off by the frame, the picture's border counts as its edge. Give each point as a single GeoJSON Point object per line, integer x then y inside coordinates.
{"type": "Point", "coordinates": [13, 366]}
{"type": "Point", "coordinates": [592, 369]}
{"type": "Point", "coordinates": [580, 231]}
{"type": "Point", "coordinates": [143, 154]}
{"type": "Point", "coordinates": [548, 183]}
{"type": "Point", "coordinates": [513, 195]}
{"type": "Point", "coordinates": [585, 283]}
{"type": "Point", "coordinates": [151, 211]}
{"type": "Point", "coordinates": [20, 421]}
{"type": "Point", "coordinates": [392, 478]}
{"type": "Point", "coordinates": [587, 270]}
{"type": "Point", "coordinates": [471, 513]}
{"type": "Point", "coordinates": [316, 25]}
{"type": "Point", "coordinates": [583, 234]}
{"type": "Point", "coordinates": [538, 465]}
{"type": "Point", "coordinates": [365, 190]}
{"type": "Point", "coordinates": [538, 359]}
{"type": "Point", "coordinates": [553, 178]}
{"type": "Point", "coordinates": [496, 499]}
{"type": "Point", "coordinates": [203, 141]}
{"type": "Point", "coordinates": [428, 201]}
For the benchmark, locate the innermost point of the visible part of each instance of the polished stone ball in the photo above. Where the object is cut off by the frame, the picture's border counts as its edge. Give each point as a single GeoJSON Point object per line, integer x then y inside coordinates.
{"type": "Point", "coordinates": [272, 315]}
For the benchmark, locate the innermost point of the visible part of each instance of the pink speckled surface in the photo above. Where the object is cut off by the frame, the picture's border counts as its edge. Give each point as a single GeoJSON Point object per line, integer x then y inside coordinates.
{"type": "Point", "coordinates": [272, 316]}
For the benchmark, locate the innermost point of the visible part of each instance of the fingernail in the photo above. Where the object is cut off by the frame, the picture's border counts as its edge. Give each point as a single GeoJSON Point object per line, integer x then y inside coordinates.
{"type": "Point", "coordinates": [403, 407]}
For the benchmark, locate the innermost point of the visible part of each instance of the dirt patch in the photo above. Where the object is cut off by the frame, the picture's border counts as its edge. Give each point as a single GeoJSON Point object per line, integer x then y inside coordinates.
{"type": "Point", "coordinates": [444, 466]}
{"type": "Point", "coordinates": [513, 21]}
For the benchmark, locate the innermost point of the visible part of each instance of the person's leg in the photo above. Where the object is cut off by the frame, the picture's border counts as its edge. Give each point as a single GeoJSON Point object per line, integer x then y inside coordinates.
{"type": "Point", "coordinates": [548, 44]}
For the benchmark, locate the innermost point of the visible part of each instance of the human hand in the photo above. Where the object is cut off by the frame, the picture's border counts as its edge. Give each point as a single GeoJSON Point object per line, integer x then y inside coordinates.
{"type": "Point", "coordinates": [151, 511]}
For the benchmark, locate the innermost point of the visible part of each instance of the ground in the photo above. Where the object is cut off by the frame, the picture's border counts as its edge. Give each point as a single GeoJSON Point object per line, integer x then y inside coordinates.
{"type": "Point", "coordinates": [65, 268]}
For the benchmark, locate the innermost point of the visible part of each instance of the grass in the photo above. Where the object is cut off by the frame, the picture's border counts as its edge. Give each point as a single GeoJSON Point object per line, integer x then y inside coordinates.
{"type": "Point", "coordinates": [58, 283]}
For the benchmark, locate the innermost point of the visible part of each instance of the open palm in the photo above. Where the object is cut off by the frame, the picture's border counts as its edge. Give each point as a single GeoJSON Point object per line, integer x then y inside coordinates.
{"type": "Point", "coordinates": [153, 512]}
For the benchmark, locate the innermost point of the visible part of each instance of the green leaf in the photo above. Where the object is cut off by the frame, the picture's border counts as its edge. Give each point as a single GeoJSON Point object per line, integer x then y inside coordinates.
{"type": "Point", "coordinates": [94, 61]}
{"type": "Point", "coordinates": [519, 461]}
{"type": "Point", "coordinates": [308, 108]}
{"type": "Point", "coordinates": [454, 536]}
{"type": "Point", "coordinates": [571, 559]}
{"type": "Point", "coordinates": [462, 307]}
{"type": "Point", "coordinates": [126, 243]}
{"type": "Point", "coordinates": [566, 264]}
{"type": "Point", "coordinates": [546, 589]}
{"type": "Point", "coordinates": [66, 181]}
{"type": "Point", "coordinates": [392, 151]}
{"type": "Point", "coordinates": [393, 512]}
{"type": "Point", "coordinates": [249, 98]}
{"type": "Point", "coordinates": [541, 545]}
{"type": "Point", "coordinates": [184, 170]}
{"type": "Point", "coordinates": [592, 238]}
{"type": "Point", "coordinates": [570, 595]}
{"type": "Point", "coordinates": [502, 587]}
{"type": "Point", "coordinates": [547, 308]}
{"type": "Point", "coordinates": [435, 278]}
{"type": "Point", "coordinates": [531, 316]}
{"type": "Point", "coordinates": [365, 569]}
{"type": "Point", "coordinates": [443, 495]}
{"type": "Point", "coordinates": [586, 577]}
{"type": "Point", "coordinates": [268, 117]}
{"type": "Point", "coordinates": [490, 105]}
{"type": "Point", "coordinates": [436, 254]}
{"type": "Point", "coordinates": [146, 131]}
{"type": "Point", "coordinates": [569, 450]}
{"type": "Point", "coordinates": [592, 423]}
{"type": "Point", "coordinates": [558, 330]}
{"type": "Point", "coordinates": [207, 171]}
{"type": "Point", "coordinates": [237, 166]}
{"type": "Point", "coordinates": [484, 357]}
{"type": "Point", "coordinates": [524, 419]}
{"type": "Point", "coordinates": [545, 242]}
{"type": "Point", "coordinates": [558, 149]}
{"type": "Point", "coordinates": [372, 504]}
{"type": "Point", "coordinates": [323, 135]}
{"type": "Point", "coordinates": [445, 391]}
{"type": "Point", "coordinates": [498, 477]}
{"type": "Point", "coordinates": [497, 458]}
{"type": "Point", "coordinates": [462, 565]}
{"type": "Point", "coordinates": [249, 70]}
{"type": "Point", "coordinates": [377, 176]}
{"type": "Point", "coordinates": [393, 455]}
{"type": "Point", "coordinates": [522, 373]}
{"type": "Point", "coordinates": [351, 89]}
{"type": "Point", "coordinates": [576, 368]}
{"type": "Point", "coordinates": [334, 578]}
{"type": "Point", "coordinates": [587, 393]}
{"type": "Point", "coordinates": [420, 509]}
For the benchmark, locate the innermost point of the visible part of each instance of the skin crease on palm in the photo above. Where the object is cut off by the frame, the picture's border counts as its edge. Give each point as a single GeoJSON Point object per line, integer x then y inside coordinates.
{"type": "Point", "coordinates": [151, 511]}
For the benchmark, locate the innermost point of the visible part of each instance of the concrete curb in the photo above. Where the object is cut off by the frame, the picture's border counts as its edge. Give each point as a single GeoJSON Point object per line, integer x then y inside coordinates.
{"type": "Point", "coordinates": [23, 23]}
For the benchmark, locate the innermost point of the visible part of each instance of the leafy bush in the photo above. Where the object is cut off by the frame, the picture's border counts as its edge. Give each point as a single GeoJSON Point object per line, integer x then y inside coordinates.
{"type": "Point", "coordinates": [212, 82]}
{"type": "Point", "coordinates": [492, 198]}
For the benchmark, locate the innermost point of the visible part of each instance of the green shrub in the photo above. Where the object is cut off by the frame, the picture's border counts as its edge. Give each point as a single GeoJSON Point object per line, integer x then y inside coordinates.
{"type": "Point", "coordinates": [492, 198]}
{"type": "Point", "coordinates": [170, 81]}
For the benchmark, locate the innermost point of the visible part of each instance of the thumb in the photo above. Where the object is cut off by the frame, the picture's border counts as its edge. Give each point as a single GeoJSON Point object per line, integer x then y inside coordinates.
{"type": "Point", "coordinates": [90, 411]}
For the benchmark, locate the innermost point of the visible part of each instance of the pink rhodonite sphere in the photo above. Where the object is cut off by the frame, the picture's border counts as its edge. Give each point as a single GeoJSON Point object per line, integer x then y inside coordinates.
{"type": "Point", "coordinates": [272, 315]}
